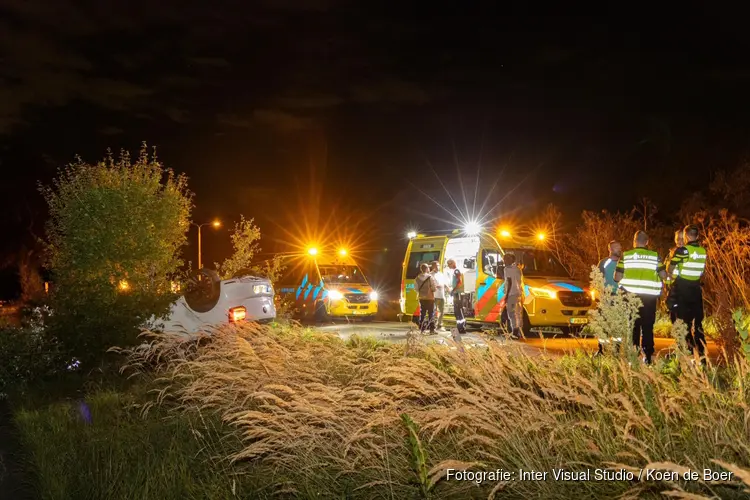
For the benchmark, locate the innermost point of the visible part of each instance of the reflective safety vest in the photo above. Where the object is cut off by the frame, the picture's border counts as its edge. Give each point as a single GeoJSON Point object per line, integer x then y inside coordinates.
{"type": "Point", "coordinates": [640, 269]}
{"type": "Point", "coordinates": [675, 272]}
{"type": "Point", "coordinates": [690, 261]}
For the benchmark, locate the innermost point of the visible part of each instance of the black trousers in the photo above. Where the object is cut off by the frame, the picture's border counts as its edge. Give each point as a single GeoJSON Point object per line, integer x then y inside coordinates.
{"type": "Point", "coordinates": [672, 303]}
{"type": "Point", "coordinates": [643, 331]}
{"type": "Point", "coordinates": [426, 315]}
{"type": "Point", "coordinates": [458, 312]}
{"type": "Point", "coordinates": [690, 310]}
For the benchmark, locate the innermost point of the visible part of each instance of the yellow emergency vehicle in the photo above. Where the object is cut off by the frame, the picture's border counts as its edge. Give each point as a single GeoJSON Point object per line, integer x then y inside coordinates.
{"type": "Point", "coordinates": [326, 285]}
{"type": "Point", "coordinates": [554, 302]}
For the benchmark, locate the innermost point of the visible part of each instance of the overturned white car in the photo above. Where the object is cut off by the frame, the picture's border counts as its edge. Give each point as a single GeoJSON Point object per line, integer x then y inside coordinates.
{"type": "Point", "coordinates": [210, 301]}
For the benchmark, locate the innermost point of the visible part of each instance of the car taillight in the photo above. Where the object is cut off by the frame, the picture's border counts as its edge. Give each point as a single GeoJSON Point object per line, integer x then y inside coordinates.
{"type": "Point", "coordinates": [237, 314]}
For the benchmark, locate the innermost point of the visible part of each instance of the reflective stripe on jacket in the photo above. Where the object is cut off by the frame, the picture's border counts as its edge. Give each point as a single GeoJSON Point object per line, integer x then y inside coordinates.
{"type": "Point", "coordinates": [640, 270]}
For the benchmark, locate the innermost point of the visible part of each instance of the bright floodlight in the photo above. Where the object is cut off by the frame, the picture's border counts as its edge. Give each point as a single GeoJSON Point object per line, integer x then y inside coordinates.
{"type": "Point", "coordinates": [312, 251]}
{"type": "Point", "coordinates": [541, 236]}
{"type": "Point", "coordinates": [411, 234]}
{"type": "Point", "coordinates": [472, 228]}
{"type": "Point", "coordinates": [342, 252]}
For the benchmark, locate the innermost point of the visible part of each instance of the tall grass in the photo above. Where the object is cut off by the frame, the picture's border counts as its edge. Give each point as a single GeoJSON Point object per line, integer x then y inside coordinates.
{"type": "Point", "coordinates": [328, 419]}
{"type": "Point", "coordinates": [101, 447]}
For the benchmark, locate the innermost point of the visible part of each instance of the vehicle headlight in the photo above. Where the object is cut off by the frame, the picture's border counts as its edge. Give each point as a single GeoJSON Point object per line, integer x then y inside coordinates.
{"type": "Point", "coordinates": [373, 295]}
{"type": "Point", "coordinates": [543, 293]}
{"type": "Point", "coordinates": [258, 289]}
{"type": "Point", "coordinates": [335, 295]}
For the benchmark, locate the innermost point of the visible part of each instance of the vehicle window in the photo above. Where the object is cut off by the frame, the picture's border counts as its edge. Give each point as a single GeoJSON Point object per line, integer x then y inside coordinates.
{"type": "Point", "coordinates": [295, 272]}
{"type": "Point", "coordinates": [539, 263]}
{"type": "Point", "coordinates": [336, 275]}
{"type": "Point", "coordinates": [417, 258]}
{"type": "Point", "coordinates": [490, 261]}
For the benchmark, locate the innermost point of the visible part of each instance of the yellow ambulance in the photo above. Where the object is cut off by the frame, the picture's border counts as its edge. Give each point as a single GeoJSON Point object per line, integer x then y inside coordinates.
{"type": "Point", "coordinates": [326, 285]}
{"type": "Point", "coordinates": [554, 301]}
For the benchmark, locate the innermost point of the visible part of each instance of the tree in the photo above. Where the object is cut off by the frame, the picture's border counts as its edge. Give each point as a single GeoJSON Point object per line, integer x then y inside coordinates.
{"type": "Point", "coordinates": [113, 243]}
{"type": "Point", "coordinates": [246, 245]}
{"type": "Point", "coordinates": [588, 243]}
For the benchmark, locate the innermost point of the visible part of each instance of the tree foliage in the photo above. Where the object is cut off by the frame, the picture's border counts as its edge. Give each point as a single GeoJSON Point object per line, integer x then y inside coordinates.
{"type": "Point", "coordinates": [113, 241]}
{"type": "Point", "coordinates": [246, 245]}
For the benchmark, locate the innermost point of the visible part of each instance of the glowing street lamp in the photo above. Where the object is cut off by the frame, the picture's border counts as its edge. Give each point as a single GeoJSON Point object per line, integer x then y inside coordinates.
{"type": "Point", "coordinates": [541, 236]}
{"type": "Point", "coordinates": [505, 233]}
{"type": "Point", "coordinates": [216, 224]}
{"type": "Point", "coordinates": [312, 251]}
{"type": "Point", "coordinates": [343, 252]}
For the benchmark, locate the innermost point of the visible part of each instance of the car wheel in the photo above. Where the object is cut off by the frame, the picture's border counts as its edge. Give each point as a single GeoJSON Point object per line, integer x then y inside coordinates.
{"type": "Point", "coordinates": [321, 316]}
{"type": "Point", "coordinates": [203, 290]}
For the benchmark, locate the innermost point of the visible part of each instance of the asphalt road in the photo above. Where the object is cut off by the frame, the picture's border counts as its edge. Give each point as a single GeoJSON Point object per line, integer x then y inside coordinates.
{"type": "Point", "coordinates": [393, 331]}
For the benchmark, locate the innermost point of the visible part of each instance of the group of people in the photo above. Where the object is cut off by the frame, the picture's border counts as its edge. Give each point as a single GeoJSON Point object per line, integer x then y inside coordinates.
{"type": "Point", "coordinates": [433, 287]}
{"type": "Point", "coordinates": [640, 271]}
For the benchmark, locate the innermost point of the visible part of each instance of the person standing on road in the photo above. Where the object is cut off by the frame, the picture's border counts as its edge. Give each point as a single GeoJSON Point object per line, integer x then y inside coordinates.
{"type": "Point", "coordinates": [640, 272]}
{"type": "Point", "coordinates": [457, 289]}
{"type": "Point", "coordinates": [426, 287]}
{"type": "Point", "coordinates": [673, 272]}
{"type": "Point", "coordinates": [689, 261]}
{"type": "Point", "coordinates": [440, 282]}
{"type": "Point", "coordinates": [607, 266]}
{"type": "Point", "coordinates": [514, 295]}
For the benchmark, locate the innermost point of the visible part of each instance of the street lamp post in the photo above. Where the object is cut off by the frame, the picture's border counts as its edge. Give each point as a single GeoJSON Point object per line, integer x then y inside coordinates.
{"type": "Point", "coordinates": [216, 224]}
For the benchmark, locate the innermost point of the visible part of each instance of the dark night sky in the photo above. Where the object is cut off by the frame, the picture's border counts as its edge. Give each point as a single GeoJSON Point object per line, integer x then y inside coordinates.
{"type": "Point", "coordinates": [249, 98]}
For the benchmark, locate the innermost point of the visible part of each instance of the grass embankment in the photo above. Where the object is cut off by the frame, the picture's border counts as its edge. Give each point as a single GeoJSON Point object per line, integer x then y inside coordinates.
{"type": "Point", "coordinates": [306, 415]}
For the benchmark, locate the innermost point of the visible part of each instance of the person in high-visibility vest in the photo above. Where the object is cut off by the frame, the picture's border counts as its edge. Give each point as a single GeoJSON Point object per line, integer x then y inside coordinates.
{"type": "Point", "coordinates": [679, 241]}
{"type": "Point", "coordinates": [641, 272]}
{"type": "Point", "coordinates": [690, 262]}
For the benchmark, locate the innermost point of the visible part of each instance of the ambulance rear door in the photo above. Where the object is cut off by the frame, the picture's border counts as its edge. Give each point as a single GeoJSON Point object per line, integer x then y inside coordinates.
{"type": "Point", "coordinates": [421, 250]}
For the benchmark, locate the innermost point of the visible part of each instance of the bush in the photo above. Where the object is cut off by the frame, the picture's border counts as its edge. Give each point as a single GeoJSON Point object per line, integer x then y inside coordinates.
{"type": "Point", "coordinates": [319, 419]}
{"type": "Point", "coordinates": [727, 241]}
{"type": "Point", "coordinates": [27, 355]}
{"type": "Point", "coordinates": [615, 314]}
{"type": "Point", "coordinates": [113, 242]}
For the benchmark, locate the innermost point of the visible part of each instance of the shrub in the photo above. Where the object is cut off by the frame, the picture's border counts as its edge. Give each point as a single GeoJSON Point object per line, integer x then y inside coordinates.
{"type": "Point", "coordinates": [615, 314]}
{"type": "Point", "coordinates": [113, 241]}
{"type": "Point", "coordinates": [27, 355]}
{"type": "Point", "coordinates": [727, 241]}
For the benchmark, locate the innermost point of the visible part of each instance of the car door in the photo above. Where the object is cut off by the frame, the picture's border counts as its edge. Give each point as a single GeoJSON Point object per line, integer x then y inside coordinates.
{"type": "Point", "coordinates": [489, 301]}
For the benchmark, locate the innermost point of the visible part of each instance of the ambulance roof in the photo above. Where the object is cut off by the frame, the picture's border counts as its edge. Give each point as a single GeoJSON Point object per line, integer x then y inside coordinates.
{"type": "Point", "coordinates": [334, 260]}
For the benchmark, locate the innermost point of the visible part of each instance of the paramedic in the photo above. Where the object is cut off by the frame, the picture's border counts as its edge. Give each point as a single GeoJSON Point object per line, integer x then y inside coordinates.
{"type": "Point", "coordinates": [457, 289]}
{"type": "Point", "coordinates": [607, 266]}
